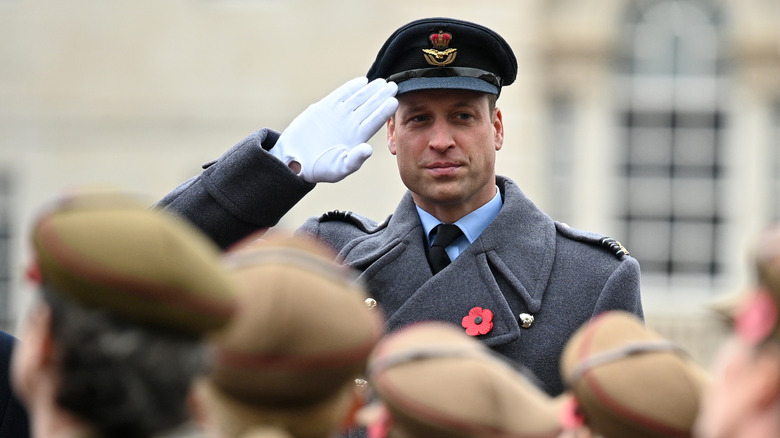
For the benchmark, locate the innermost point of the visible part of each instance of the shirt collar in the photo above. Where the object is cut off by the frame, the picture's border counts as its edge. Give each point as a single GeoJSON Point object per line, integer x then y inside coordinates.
{"type": "Point", "coordinates": [472, 225]}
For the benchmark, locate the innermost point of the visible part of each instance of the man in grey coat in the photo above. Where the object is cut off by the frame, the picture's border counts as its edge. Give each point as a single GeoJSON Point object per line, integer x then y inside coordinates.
{"type": "Point", "coordinates": [518, 281]}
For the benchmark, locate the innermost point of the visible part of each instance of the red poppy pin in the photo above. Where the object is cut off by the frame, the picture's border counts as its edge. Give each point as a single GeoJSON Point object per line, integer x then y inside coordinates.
{"type": "Point", "coordinates": [479, 321]}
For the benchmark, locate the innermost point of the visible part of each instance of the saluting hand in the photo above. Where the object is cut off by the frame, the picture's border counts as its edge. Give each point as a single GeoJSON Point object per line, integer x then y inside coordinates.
{"type": "Point", "coordinates": [327, 141]}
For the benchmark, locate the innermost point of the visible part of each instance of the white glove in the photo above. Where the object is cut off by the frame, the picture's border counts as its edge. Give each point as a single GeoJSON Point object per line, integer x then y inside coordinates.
{"type": "Point", "coordinates": [329, 138]}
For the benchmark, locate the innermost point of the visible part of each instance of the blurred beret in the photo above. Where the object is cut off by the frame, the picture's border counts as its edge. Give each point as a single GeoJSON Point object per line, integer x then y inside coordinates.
{"type": "Point", "coordinates": [303, 330]}
{"type": "Point", "coordinates": [754, 313]}
{"type": "Point", "coordinates": [445, 53]}
{"type": "Point", "coordinates": [630, 381]}
{"type": "Point", "coordinates": [438, 382]}
{"type": "Point", "coordinates": [111, 251]}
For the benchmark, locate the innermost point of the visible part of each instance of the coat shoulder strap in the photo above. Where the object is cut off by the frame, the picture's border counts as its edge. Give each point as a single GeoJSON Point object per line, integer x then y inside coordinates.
{"type": "Point", "coordinates": [361, 222]}
{"type": "Point", "coordinates": [606, 242]}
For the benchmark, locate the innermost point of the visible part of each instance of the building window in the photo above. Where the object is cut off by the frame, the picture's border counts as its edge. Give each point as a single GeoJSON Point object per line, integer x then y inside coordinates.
{"type": "Point", "coordinates": [671, 75]}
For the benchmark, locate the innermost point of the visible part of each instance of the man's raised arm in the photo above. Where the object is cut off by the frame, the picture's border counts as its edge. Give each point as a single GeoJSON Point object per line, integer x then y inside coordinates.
{"type": "Point", "coordinates": [261, 178]}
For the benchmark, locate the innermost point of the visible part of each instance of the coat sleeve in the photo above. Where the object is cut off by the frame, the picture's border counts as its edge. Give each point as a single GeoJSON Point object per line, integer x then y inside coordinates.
{"type": "Point", "coordinates": [242, 192]}
{"type": "Point", "coordinates": [622, 289]}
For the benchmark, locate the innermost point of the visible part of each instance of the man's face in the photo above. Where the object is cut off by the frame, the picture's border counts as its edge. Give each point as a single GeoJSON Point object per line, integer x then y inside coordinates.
{"type": "Point", "coordinates": [445, 142]}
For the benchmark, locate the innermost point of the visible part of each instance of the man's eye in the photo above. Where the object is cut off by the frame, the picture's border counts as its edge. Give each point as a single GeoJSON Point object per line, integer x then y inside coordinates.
{"type": "Point", "coordinates": [465, 116]}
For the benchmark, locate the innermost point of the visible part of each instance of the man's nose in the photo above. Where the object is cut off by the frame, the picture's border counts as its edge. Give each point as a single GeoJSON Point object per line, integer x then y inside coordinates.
{"type": "Point", "coordinates": [441, 136]}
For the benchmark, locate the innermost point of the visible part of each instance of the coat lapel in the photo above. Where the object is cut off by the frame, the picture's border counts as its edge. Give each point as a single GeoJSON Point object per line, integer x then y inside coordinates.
{"type": "Point", "coordinates": [393, 260]}
{"type": "Point", "coordinates": [520, 245]}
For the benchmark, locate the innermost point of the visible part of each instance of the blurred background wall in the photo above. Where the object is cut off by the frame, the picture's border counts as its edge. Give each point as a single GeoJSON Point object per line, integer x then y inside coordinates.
{"type": "Point", "coordinates": [656, 122]}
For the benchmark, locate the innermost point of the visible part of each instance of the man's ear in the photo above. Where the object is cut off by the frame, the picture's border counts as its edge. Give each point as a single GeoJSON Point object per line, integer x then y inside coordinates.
{"type": "Point", "coordinates": [498, 125]}
{"type": "Point", "coordinates": [391, 135]}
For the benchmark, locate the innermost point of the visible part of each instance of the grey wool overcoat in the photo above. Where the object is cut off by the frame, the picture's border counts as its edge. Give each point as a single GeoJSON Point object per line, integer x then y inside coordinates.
{"type": "Point", "coordinates": [524, 263]}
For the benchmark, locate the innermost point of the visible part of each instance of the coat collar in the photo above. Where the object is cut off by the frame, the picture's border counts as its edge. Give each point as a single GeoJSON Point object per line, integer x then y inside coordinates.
{"type": "Point", "coordinates": [519, 245]}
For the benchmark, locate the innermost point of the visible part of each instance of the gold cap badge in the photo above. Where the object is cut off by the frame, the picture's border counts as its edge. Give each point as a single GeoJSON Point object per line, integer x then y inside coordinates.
{"type": "Point", "coordinates": [440, 55]}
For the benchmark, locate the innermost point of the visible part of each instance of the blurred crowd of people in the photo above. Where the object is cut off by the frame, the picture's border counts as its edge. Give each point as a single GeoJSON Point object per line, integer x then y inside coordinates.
{"type": "Point", "coordinates": [141, 324]}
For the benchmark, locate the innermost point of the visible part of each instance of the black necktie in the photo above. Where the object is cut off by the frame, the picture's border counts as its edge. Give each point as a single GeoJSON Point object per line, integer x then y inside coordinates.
{"type": "Point", "coordinates": [445, 235]}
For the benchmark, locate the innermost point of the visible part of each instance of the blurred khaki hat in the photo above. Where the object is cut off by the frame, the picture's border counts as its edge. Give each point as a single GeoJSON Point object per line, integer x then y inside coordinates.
{"type": "Point", "coordinates": [436, 381]}
{"type": "Point", "coordinates": [109, 250]}
{"type": "Point", "coordinates": [300, 338]}
{"type": "Point", "coordinates": [755, 312]}
{"type": "Point", "coordinates": [629, 381]}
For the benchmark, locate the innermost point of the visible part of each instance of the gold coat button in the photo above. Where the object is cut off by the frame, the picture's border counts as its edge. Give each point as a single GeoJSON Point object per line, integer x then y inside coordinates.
{"type": "Point", "coordinates": [526, 320]}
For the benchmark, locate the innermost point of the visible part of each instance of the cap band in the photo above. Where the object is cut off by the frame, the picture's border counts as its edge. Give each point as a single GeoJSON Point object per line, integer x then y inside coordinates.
{"type": "Point", "coordinates": [619, 353]}
{"type": "Point", "coordinates": [446, 72]}
{"type": "Point", "coordinates": [446, 351]}
{"type": "Point", "coordinates": [460, 78]}
{"type": "Point", "coordinates": [432, 352]}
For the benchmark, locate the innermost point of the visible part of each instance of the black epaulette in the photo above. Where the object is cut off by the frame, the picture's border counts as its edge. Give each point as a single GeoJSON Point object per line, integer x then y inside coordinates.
{"type": "Point", "coordinates": [363, 223]}
{"type": "Point", "coordinates": [584, 236]}
{"type": "Point", "coordinates": [615, 246]}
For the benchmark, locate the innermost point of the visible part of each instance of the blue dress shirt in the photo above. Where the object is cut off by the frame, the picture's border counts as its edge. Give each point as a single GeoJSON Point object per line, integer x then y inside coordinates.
{"type": "Point", "coordinates": [472, 225]}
